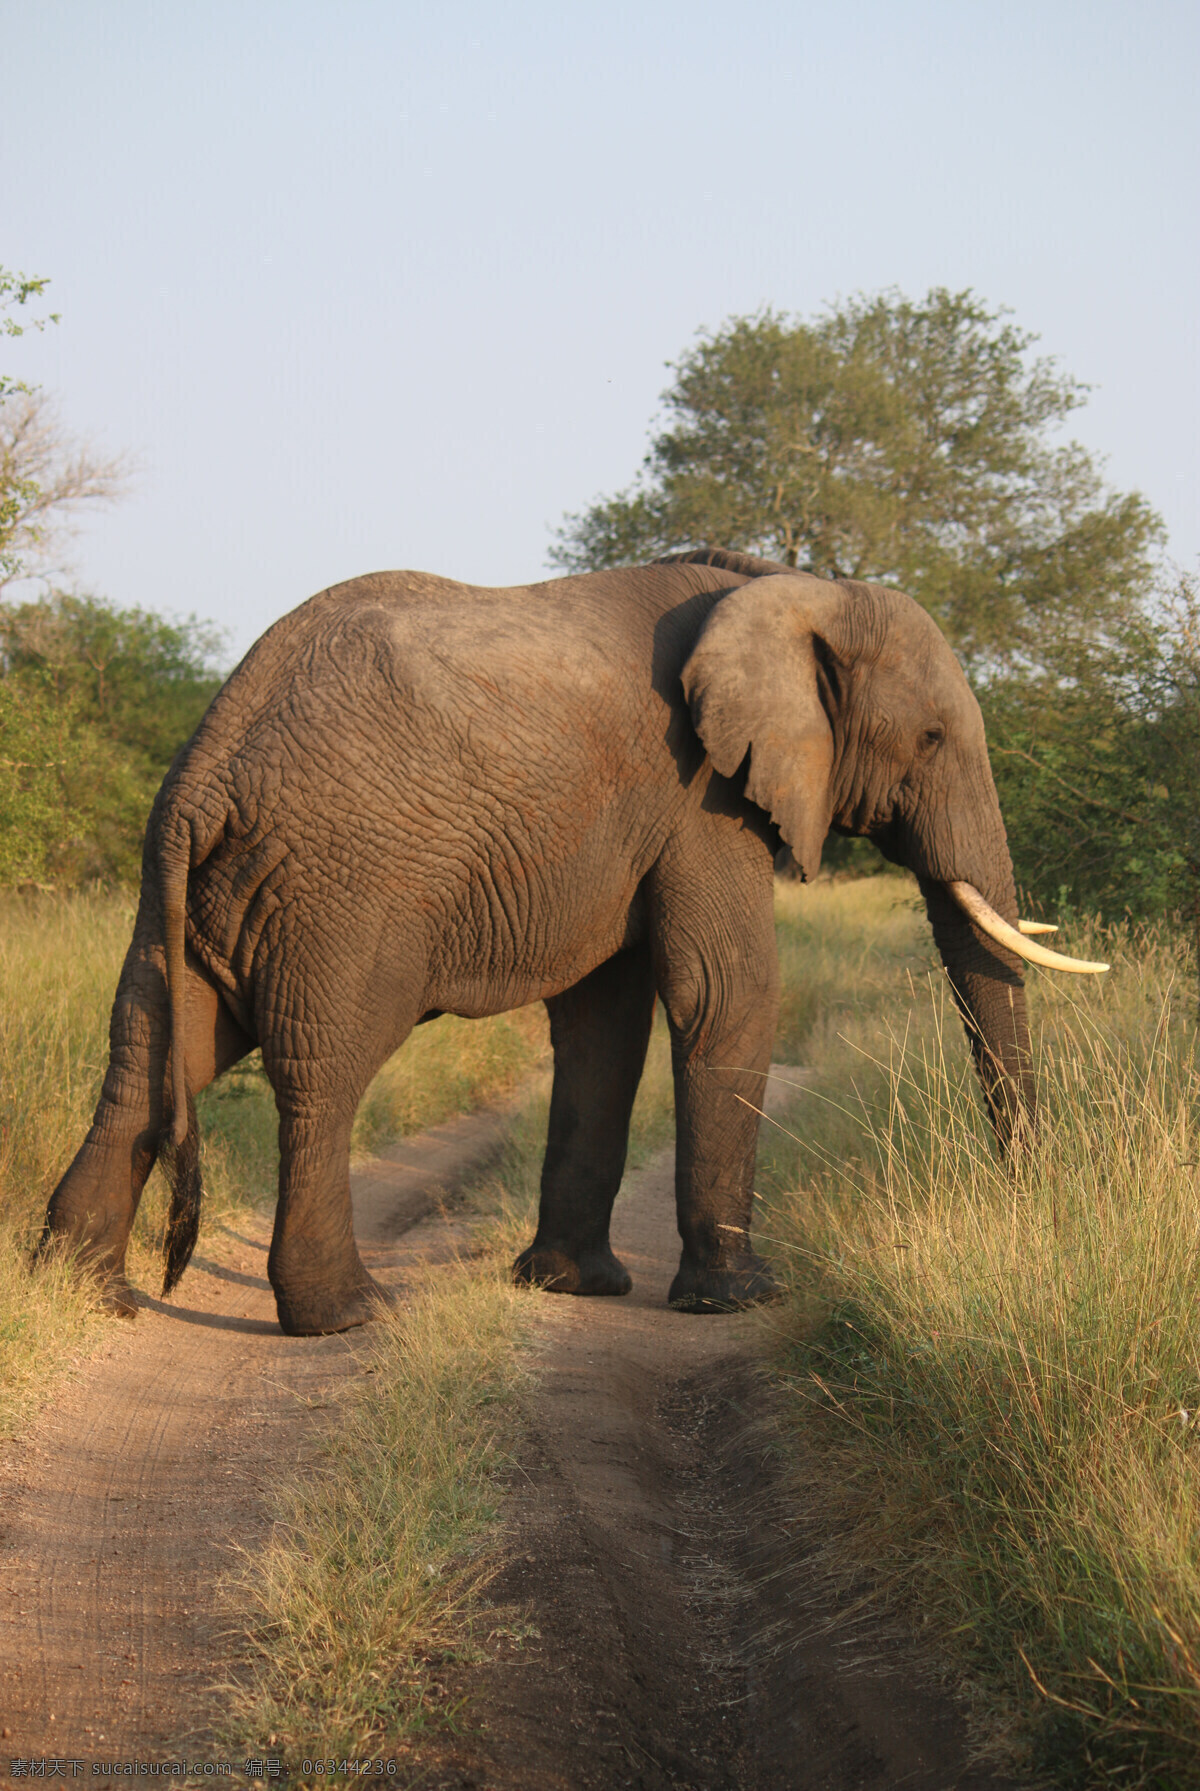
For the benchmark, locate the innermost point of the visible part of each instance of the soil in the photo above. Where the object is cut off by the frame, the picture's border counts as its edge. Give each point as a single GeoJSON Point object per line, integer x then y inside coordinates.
{"type": "Point", "coordinates": [126, 1500]}
{"type": "Point", "coordinates": [654, 1625]}
{"type": "Point", "coordinates": [657, 1623]}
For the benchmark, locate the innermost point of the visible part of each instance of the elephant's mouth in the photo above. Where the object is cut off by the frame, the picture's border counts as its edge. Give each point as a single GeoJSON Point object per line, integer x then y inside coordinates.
{"type": "Point", "coordinates": [1016, 939]}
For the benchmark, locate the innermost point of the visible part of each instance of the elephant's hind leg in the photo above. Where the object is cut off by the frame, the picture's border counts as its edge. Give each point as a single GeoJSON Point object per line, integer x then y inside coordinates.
{"type": "Point", "coordinates": [600, 1030]}
{"type": "Point", "coordinates": [319, 1072]}
{"type": "Point", "coordinates": [330, 1013]}
{"type": "Point", "coordinates": [319, 1279]}
{"type": "Point", "coordinates": [92, 1210]}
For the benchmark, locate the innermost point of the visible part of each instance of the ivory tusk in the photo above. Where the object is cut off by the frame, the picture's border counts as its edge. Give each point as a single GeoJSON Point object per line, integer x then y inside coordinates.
{"type": "Point", "coordinates": [989, 922]}
{"type": "Point", "coordinates": [1035, 926]}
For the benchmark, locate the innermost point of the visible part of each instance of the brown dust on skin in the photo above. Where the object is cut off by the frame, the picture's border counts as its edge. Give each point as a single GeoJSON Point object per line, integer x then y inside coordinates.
{"type": "Point", "coordinates": [652, 1625]}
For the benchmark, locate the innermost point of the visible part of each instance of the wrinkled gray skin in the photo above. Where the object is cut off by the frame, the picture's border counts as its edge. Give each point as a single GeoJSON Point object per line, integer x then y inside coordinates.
{"type": "Point", "coordinates": [414, 797]}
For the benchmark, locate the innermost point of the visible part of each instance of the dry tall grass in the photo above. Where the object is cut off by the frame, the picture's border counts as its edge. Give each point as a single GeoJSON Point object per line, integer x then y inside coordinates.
{"type": "Point", "coordinates": [58, 967]}
{"type": "Point", "coordinates": [1003, 1370]}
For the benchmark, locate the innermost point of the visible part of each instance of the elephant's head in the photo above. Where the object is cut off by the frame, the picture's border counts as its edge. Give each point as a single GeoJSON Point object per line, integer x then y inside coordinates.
{"type": "Point", "coordinates": [844, 706]}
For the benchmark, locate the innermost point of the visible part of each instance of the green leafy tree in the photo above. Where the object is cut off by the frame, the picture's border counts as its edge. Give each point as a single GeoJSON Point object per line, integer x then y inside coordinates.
{"type": "Point", "coordinates": [68, 798]}
{"type": "Point", "coordinates": [1096, 755]}
{"type": "Point", "coordinates": [16, 290]}
{"type": "Point", "coordinates": [94, 703]}
{"type": "Point", "coordinates": [908, 442]}
{"type": "Point", "coordinates": [143, 681]}
{"type": "Point", "coordinates": [94, 700]}
{"type": "Point", "coordinates": [918, 443]}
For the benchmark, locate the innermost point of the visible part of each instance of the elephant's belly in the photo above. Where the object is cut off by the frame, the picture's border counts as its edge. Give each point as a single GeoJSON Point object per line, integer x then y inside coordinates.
{"type": "Point", "coordinates": [474, 975]}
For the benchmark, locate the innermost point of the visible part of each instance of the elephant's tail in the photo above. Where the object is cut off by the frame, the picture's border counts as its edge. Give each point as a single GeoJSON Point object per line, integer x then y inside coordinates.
{"type": "Point", "coordinates": [180, 1145]}
{"type": "Point", "coordinates": [181, 1165]}
{"type": "Point", "coordinates": [174, 865]}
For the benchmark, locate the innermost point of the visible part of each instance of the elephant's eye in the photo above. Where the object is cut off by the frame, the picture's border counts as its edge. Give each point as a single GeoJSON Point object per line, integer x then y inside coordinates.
{"type": "Point", "coordinates": [932, 737]}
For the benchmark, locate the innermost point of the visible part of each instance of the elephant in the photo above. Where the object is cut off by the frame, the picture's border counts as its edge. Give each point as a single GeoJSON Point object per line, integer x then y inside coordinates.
{"type": "Point", "coordinates": [415, 797]}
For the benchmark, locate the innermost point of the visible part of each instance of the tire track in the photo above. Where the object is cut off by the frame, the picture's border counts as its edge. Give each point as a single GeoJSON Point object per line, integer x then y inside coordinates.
{"type": "Point", "coordinates": [656, 1626]}
{"type": "Point", "coordinates": [122, 1506]}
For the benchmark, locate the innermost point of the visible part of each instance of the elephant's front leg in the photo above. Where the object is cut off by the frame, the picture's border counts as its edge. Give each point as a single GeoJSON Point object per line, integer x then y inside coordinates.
{"type": "Point", "coordinates": [599, 1030]}
{"type": "Point", "coordinates": [720, 987]}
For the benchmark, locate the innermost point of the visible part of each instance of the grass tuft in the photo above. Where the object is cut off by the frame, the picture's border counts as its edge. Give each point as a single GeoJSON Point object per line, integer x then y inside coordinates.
{"type": "Point", "coordinates": [58, 966]}
{"type": "Point", "coordinates": [372, 1581]}
{"type": "Point", "coordinates": [367, 1586]}
{"type": "Point", "coordinates": [1003, 1369]}
{"type": "Point", "coordinates": [450, 1066]}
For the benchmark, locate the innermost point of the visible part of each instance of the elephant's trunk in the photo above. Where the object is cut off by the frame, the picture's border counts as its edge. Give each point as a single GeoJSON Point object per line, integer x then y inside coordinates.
{"type": "Point", "coordinates": [990, 994]}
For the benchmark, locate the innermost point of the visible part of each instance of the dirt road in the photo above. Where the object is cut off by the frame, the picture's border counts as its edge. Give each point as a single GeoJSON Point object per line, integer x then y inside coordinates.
{"type": "Point", "coordinates": [654, 1628]}
{"type": "Point", "coordinates": [675, 1637]}
{"type": "Point", "coordinates": [119, 1509]}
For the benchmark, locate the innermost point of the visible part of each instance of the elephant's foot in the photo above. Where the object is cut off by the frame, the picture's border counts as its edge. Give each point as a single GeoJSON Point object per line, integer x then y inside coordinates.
{"type": "Point", "coordinates": [317, 1312]}
{"type": "Point", "coordinates": [589, 1272]}
{"type": "Point", "coordinates": [97, 1261]}
{"type": "Point", "coordinates": [117, 1297]}
{"type": "Point", "coordinates": [697, 1288]}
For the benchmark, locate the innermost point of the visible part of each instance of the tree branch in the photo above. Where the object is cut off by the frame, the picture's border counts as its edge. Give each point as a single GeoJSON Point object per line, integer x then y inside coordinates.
{"type": "Point", "coordinates": [1015, 752]}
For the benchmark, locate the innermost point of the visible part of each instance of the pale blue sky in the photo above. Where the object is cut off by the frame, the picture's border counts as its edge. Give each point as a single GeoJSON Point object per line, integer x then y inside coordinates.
{"type": "Point", "coordinates": [369, 285]}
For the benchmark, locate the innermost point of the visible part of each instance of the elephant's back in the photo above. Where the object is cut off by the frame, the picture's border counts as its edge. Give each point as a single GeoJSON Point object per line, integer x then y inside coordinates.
{"type": "Point", "coordinates": [397, 669]}
{"type": "Point", "coordinates": [390, 641]}
{"type": "Point", "coordinates": [363, 619]}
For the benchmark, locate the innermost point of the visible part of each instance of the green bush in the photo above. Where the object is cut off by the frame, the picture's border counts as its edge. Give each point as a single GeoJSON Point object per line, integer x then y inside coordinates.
{"type": "Point", "coordinates": [94, 703]}
{"type": "Point", "coordinates": [1096, 755]}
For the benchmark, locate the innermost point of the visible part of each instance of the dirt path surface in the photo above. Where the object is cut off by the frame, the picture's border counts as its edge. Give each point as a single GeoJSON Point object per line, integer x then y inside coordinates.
{"type": "Point", "coordinates": [654, 1628]}
{"type": "Point", "coordinates": [120, 1508]}
{"type": "Point", "coordinates": [667, 1632]}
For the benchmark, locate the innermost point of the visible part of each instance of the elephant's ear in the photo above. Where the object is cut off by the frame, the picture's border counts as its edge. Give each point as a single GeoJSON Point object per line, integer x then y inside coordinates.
{"type": "Point", "coordinates": [752, 687]}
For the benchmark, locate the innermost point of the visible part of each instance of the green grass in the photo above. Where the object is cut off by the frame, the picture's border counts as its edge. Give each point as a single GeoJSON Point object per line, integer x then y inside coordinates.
{"type": "Point", "coordinates": [505, 1198]}
{"type": "Point", "coordinates": [450, 1066]}
{"type": "Point", "coordinates": [994, 1377]}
